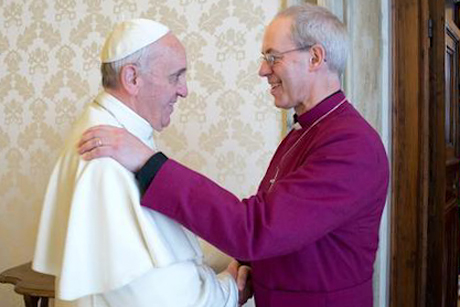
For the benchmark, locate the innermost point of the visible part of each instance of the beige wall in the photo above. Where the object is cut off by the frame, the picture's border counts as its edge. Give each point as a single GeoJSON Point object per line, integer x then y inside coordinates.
{"type": "Point", "coordinates": [49, 71]}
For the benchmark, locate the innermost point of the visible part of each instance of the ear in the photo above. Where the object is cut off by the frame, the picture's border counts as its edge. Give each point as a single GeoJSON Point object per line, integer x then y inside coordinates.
{"type": "Point", "coordinates": [318, 57]}
{"type": "Point", "coordinates": [130, 79]}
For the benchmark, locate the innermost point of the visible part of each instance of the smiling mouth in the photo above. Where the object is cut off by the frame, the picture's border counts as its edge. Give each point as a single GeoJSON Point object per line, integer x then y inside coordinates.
{"type": "Point", "coordinates": [274, 86]}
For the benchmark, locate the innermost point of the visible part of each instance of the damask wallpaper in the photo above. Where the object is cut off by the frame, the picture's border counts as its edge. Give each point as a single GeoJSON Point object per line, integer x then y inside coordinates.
{"type": "Point", "coordinates": [226, 128]}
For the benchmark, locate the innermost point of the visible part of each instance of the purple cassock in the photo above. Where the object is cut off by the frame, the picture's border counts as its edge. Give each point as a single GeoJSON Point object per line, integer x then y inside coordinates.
{"type": "Point", "coordinates": [311, 231]}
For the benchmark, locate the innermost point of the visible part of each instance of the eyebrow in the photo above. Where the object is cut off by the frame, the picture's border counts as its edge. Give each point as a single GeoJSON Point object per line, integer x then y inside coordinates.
{"type": "Point", "coordinates": [179, 72]}
{"type": "Point", "coordinates": [270, 51]}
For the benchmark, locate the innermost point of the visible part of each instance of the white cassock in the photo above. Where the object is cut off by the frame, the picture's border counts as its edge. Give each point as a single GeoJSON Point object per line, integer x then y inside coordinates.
{"type": "Point", "coordinates": [107, 250]}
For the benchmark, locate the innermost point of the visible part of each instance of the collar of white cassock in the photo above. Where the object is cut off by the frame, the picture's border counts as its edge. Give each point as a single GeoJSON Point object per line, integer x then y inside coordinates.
{"type": "Point", "coordinates": [126, 117]}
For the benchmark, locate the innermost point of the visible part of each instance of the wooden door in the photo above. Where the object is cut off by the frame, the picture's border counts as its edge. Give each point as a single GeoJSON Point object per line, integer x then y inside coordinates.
{"type": "Point", "coordinates": [452, 154]}
{"type": "Point", "coordinates": [426, 154]}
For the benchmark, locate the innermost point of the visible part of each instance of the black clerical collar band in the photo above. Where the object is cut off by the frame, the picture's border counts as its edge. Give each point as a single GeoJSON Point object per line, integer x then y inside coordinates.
{"type": "Point", "coordinates": [145, 175]}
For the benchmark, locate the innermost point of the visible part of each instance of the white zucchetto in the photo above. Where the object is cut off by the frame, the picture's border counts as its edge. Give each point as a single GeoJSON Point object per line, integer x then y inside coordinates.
{"type": "Point", "coordinates": [131, 36]}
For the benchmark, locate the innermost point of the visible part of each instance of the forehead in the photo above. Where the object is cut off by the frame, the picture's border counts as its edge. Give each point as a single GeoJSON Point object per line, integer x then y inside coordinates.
{"type": "Point", "coordinates": [277, 36]}
{"type": "Point", "coordinates": [170, 52]}
{"type": "Point", "coordinates": [173, 43]}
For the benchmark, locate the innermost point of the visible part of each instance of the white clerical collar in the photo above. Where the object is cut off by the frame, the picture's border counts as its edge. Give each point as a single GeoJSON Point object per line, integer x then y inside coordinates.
{"type": "Point", "coordinates": [126, 117]}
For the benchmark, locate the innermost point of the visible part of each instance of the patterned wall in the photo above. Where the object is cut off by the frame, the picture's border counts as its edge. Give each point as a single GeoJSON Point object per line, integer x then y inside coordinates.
{"type": "Point", "coordinates": [226, 128]}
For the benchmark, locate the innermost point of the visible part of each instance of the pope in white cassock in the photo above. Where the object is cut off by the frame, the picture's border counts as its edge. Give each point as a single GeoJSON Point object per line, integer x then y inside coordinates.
{"type": "Point", "coordinates": [103, 248]}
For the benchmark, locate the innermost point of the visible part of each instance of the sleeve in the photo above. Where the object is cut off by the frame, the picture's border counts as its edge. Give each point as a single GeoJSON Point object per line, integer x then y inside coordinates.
{"type": "Point", "coordinates": [146, 174]}
{"type": "Point", "coordinates": [344, 175]}
{"type": "Point", "coordinates": [179, 285]}
{"type": "Point", "coordinates": [220, 290]}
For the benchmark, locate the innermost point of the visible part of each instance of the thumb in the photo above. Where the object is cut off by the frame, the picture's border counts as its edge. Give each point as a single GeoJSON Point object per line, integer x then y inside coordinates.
{"type": "Point", "coordinates": [232, 268]}
{"type": "Point", "coordinates": [243, 274]}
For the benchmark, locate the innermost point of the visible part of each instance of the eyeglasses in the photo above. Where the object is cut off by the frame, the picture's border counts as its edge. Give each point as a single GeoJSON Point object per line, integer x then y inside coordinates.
{"type": "Point", "coordinates": [272, 58]}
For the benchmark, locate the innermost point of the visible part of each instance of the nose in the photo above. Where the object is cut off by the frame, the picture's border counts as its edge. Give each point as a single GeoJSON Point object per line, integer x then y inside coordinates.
{"type": "Point", "coordinates": [182, 89]}
{"type": "Point", "coordinates": [264, 69]}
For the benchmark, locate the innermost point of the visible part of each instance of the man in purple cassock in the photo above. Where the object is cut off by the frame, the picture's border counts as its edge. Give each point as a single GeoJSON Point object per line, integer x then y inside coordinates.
{"type": "Point", "coordinates": [310, 233]}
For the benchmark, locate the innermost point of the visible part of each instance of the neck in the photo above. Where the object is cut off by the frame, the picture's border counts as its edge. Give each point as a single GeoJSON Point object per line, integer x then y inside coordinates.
{"type": "Point", "coordinates": [321, 89]}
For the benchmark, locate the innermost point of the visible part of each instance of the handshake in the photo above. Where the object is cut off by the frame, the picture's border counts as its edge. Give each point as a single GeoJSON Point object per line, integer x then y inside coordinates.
{"type": "Point", "coordinates": [242, 274]}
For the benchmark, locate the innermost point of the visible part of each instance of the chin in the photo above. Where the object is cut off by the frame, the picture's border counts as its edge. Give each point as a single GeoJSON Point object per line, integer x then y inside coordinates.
{"type": "Point", "coordinates": [156, 126]}
{"type": "Point", "coordinates": [165, 123]}
{"type": "Point", "coordinates": [282, 104]}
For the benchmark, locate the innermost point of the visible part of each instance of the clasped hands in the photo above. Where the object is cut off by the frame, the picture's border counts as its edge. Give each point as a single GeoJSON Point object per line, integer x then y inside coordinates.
{"type": "Point", "coordinates": [242, 275]}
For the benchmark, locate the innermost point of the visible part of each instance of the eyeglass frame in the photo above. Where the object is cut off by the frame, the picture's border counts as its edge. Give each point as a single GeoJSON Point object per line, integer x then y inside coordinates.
{"type": "Point", "coordinates": [271, 59]}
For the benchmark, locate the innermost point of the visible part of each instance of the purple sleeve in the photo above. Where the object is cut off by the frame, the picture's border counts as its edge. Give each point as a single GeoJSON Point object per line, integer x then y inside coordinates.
{"type": "Point", "coordinates": [344, 176]}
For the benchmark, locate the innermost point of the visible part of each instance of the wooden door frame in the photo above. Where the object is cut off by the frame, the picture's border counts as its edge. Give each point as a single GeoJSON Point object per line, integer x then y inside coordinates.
{"type": "Point", "coordinates": [418, 170]}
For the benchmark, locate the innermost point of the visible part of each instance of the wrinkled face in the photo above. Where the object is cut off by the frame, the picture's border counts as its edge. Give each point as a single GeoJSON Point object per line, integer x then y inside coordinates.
{"type": "Point", "coordinates": [163, 82]}
{"type": "Point", "coordinates": [288, 76]}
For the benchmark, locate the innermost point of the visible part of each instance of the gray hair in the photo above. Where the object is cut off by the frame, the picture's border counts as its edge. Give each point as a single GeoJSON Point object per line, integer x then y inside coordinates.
{"type": "Point", "coordinates": [111, 71]}
{"type": "Point", "coordinates": [313, 25]}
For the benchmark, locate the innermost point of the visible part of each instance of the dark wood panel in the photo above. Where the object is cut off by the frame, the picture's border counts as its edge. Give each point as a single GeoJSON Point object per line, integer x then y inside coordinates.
{"type": "Point", "coordinates": [452, 152]}
{"type": "Point", "coordinates": [451, 261]}
{"type": "Point", "coordinates": [410, 152]}
{"type": "Point", "coordinates": [452, 180]}
{"type": "Point", "coordinates": [452, 130]}
{"type": "Point", "coordinates": [436, 188]}
{"type": "Point", "coordinates": [426, 151]}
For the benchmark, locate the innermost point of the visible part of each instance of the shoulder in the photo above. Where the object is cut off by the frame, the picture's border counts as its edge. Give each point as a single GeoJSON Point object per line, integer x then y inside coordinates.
{"type": "Point", "coordinates": [71, 167]}
{"type": "Point", "coordinates": [350, 124]}
{"type": "Point", "coordinates": [348, 134]}
{"type": "Point", "coordinates": [92, 115]}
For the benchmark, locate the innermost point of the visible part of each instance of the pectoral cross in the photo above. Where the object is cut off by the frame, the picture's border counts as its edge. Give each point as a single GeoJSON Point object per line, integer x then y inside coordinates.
{"type": "Point", "coordinates": [272, 181]}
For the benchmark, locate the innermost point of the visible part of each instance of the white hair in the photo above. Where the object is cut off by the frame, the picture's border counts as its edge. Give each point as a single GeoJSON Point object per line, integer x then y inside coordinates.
{"type": "Point", "coordinates": [111, 71]}
{"type": "Point", "coordinates": [313, 25]}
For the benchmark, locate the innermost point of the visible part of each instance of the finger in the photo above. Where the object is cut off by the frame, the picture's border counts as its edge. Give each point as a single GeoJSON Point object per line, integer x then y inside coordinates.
{"type": "Point", "coordinates": [96, 131]}
{"type": "Point", "coordinates": [90, 145]}
{"type": "Point", "coordinates": [85, 137]}
{"type": "Point", "coordinates": [97, 153]}
{"type": "Point", "coordinates": [243, 273]}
